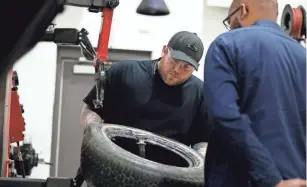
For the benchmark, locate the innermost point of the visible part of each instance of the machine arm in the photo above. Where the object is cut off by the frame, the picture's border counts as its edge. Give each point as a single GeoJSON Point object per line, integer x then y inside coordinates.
{"type": "Point", "coordinates": [102, 48]}
{"type": "Point", "coordinates": [75, 37]}
{"type": "Point", "coordinates": [72, 37]}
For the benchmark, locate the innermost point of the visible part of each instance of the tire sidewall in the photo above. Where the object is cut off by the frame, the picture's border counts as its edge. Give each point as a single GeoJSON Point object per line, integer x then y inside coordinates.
{"type": "Point", "coordinates": [108, 152]}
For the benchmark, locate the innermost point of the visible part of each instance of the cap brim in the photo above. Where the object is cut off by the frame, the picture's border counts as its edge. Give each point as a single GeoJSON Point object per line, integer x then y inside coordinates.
{"type": "Point", "coordinates": [178, 55]}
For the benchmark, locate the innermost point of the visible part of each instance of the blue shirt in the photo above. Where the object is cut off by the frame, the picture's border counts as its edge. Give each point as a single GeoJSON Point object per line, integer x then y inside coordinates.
{"type": "Point", "coordinates": [255, 91]}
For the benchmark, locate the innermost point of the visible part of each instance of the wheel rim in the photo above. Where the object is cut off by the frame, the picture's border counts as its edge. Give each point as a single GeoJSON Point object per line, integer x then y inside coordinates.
{"type": "Point", "coordinates": [144, 139]}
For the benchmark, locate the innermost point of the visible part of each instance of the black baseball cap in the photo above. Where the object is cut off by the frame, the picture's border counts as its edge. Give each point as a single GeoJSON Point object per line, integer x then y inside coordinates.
{"type": "Point", "coordinates": [186, 46]}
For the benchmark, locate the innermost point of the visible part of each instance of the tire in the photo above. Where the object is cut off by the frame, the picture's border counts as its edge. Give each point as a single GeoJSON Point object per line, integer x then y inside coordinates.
{"type": "Point", "coordinates": [105, 164]}
{"type": "Point", "coordinates": [27, 168]}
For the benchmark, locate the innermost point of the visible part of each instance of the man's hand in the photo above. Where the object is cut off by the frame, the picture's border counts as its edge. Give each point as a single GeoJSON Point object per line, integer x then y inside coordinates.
{"type": "Point", "coordinates": [292, 183]}
{"type": "Point", "coordinates": [201, 148]}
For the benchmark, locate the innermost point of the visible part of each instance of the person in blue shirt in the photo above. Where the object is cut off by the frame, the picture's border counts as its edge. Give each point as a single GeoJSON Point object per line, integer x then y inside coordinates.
{"type": "Point", "coordinates": [255, 93]}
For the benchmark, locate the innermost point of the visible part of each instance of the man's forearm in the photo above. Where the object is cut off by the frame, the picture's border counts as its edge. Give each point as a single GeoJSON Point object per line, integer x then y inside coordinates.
{"type": "Point", "coordinates": [88, 116]}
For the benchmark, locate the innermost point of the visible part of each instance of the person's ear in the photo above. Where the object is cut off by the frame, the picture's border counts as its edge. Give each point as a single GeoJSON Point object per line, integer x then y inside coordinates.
{"type": "Point", "coordinates": [164, 51]}
{"type": "Point", "coordinates": [244, 12]}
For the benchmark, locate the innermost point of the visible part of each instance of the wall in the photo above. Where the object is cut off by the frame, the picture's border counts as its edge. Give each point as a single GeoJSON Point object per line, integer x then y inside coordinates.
{"type": "Point", "coordinates": [36, 72]}
{"type": "Point", "coordinates": [227, 3]}
{"type": "Point", "coordinates": [212, 26]}
{"type": "Point", "coordinates": [133, 31]}
{"type": "Point", "coordinates": [130, 31]}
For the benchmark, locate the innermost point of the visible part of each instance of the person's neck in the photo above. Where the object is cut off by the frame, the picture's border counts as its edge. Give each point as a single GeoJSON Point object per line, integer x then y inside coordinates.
{"type": "Point", "coordinates": [266, 16]}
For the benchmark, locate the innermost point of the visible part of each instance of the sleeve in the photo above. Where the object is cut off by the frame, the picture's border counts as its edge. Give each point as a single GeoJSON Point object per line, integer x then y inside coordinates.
{"type": "Point", "coordinates": [231, 127]}
{"type": "Point", "coordinates": [200, 128]}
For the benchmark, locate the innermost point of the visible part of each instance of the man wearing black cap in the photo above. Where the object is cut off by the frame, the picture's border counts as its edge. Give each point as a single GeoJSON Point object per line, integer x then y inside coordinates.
{"type": "Point", "coordinates": [161, 96]}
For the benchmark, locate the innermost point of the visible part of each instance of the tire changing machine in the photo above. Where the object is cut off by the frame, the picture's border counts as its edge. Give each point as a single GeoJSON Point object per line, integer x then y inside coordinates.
{"type": "Point", "coordinates": [14, 126]}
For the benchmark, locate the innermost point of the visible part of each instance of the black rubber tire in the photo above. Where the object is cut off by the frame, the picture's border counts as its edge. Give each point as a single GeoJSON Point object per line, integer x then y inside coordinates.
{"type": "Point", "coordinates": [105, 164]}
{"type": "Point", "coordinates": [27, 168]}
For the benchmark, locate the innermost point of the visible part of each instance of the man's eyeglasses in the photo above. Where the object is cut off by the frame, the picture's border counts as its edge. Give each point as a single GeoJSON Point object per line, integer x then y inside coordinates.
{"type": "Point", "coordinates": [226, 21]}
{"type": "Point", "coordinates": [185, 66]}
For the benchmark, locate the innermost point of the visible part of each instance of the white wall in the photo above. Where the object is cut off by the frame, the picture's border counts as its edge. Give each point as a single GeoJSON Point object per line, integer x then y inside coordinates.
{"type": "Point", "coordinates": [133, 31]}
{"type": "Point", "coordinates": [282, 3]}
{"type": "Point", "coordinates": [36, 73]}
{"type": "Point", "coordinates": [129, 31]}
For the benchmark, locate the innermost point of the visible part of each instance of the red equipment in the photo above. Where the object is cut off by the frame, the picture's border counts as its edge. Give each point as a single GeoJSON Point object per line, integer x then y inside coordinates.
{"type": "Point", "coordinates": [293, 22]}
{"type": "Point", "coordinates": [102, 51]}
{"type": "Point", "coordinates": [104, 36]}
{"type": "Point", "coordinates": [15, 125]}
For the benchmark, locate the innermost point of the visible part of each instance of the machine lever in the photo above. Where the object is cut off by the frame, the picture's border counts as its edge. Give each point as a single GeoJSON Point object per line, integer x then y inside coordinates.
{"type": "Point", "coordinates": [99, 79]}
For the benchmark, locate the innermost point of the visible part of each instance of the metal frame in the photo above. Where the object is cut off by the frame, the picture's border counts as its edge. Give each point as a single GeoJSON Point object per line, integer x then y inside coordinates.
{"type": "Point", "coordinates": [5, 87]}
{"type": "Point", "coordinates": [50, 182]}
{"type": "Point", "coordinates": [73, 53]}
{"type": "Point", "coordinates": [36, 21]}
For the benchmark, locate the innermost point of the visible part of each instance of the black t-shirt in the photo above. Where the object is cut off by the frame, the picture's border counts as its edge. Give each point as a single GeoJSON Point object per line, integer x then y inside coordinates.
{"type": "Point", "coordinates": [136, 96]}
